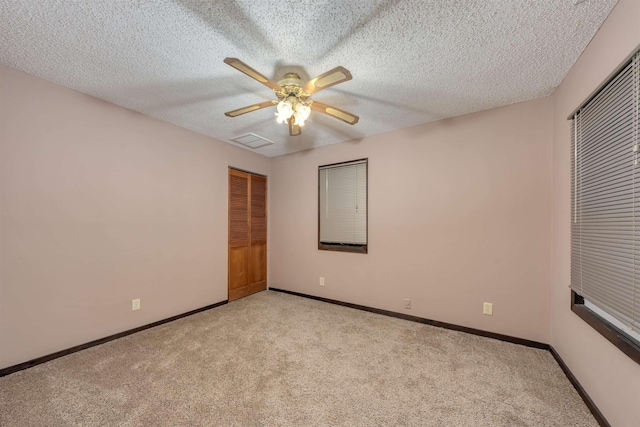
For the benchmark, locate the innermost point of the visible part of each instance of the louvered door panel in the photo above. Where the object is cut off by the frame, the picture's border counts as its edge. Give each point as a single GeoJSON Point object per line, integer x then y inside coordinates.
{"type": "Point", "coordinates": [258, 209]}
{"type": "Point", "coordinates": [258, 249]}
{"type": "Point", "coordinates": [238, 208]}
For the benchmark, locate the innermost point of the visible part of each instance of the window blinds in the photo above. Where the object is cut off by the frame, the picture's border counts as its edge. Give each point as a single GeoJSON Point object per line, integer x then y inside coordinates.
{"type": "Point", "coordinates": [605, 197]}
{"type": "Point", "coordinates": [343, 203]}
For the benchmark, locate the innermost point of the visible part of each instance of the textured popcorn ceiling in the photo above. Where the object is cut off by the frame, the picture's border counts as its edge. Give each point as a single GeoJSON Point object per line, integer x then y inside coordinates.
{"type": "Point", "coordinates": [412, 61]}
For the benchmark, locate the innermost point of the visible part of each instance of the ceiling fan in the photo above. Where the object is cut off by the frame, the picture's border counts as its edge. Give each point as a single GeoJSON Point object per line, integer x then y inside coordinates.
{"type": "Point", "coordinates": [294, 104]}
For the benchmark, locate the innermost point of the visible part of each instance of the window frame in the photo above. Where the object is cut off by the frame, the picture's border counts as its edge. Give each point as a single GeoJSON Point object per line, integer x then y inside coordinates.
{"type": "Point", "coordinates": [345, 247]}
{"type": "Point", "coordinates": [623, 341]}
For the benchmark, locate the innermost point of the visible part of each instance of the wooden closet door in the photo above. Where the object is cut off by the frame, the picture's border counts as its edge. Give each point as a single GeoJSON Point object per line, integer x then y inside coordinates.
{"type": "Point", "coordinates": [238, 234]}
{"type": "Point", "coordinates": [247, 234]}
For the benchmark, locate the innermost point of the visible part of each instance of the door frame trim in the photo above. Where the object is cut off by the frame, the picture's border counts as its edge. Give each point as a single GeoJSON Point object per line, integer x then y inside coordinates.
{"type": "Point", "coordinates": [246, 171]}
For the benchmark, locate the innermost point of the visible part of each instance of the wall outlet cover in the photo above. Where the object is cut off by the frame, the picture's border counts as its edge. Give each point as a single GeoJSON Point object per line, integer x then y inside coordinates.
{"type": "Point", "coordinates": [487, 308]}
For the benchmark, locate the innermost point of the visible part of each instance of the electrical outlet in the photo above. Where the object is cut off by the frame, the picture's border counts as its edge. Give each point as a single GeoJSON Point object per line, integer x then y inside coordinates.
{"type": "Point", "coordinates": [407, 303]}
{"type": "Point", "coordinates": [135, 304]}
{"type": "Point", "coordinates": [322, 281]}
{"type": "Point", "coordinates": [487, 308]}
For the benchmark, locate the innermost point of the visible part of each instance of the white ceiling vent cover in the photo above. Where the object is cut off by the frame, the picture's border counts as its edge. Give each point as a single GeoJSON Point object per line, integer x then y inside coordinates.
{"type": "Point", "coordinates": [251, 140]}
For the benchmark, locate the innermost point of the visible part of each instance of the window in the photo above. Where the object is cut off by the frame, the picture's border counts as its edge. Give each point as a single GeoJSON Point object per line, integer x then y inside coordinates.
{"type": "Point", "coordinates": [342, 206]}
{"type": "Point", "coordinates": [605, 209]}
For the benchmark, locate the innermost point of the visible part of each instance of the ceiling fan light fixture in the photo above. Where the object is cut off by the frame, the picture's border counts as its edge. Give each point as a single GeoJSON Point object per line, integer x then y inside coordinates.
{"type": "Point", "coordinates": [292, 107]}
{"type": "Point", "coordinates": [301, 114]}
{"type": "Point", "coordinates": [285, 110]}
{"type": "Point", "coordinates": [297, 120]}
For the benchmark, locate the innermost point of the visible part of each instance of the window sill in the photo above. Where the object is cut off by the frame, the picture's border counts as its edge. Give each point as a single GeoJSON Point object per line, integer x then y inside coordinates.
{"type": "Point", "coordinates": [356, 249]}
{"type": "Point", "coordinates": [606, 329]}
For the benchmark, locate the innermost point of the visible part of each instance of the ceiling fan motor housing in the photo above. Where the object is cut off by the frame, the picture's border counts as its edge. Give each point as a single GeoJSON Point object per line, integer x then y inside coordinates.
{"type": "Point", "coordinates": [291, 86]}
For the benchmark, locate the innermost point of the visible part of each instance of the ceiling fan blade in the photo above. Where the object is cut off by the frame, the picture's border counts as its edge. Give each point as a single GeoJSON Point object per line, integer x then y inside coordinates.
{"type": "Point", "coordinates": [294, 130]}
{"type": "Point", "coordinates": [339, 114]}
{"type": "Point", "coordinates": [250, 108]}
{"type": "Point", "coordinates": [328, 79]}
{"type": "Point", "coordinates": [241, 66]}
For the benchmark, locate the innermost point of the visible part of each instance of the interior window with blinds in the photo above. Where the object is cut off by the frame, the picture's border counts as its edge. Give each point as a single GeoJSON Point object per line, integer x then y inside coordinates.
{"type": "Point", "coordinates": [605, 208]}
{"type": "Point", "coordinates": [342, 202]}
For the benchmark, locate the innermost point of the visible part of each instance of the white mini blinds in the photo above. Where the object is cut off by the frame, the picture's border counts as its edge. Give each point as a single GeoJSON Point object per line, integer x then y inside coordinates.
{"type": "Point", "coordinates": [342, 206]}
{"type": "Point", "coordinates": [605, 197]}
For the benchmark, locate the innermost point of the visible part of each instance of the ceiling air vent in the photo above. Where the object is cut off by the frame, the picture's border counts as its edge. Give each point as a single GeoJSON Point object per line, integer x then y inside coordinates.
{"type": "Point", "coordinates": [251, 140]}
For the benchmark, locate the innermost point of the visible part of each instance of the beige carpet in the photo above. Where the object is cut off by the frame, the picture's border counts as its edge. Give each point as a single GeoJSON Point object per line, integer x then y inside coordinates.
{"type": "Point", "coordinates": [273, 359]}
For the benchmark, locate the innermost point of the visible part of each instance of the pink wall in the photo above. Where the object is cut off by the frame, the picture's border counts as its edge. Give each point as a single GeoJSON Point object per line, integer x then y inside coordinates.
{"type": "Point", "coordinates": [459, 214]}
{"type": "Point", "coordinates": [101, 205]}
{"type": "Point", "coordinates": [610, 378]}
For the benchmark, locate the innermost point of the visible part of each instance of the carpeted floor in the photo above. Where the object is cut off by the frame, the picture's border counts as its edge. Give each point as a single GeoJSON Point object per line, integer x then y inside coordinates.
{"type": "Point", "coordinates": [273, 359]}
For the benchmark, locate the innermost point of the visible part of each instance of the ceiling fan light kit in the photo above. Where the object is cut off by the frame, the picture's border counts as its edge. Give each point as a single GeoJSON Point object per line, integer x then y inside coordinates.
{"type": "Point", "coordinates": [294, 104]}
{"type": "Point", "coordinates": [292, 107]}
{"type": "Point", "coordinates": [294, 101]}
